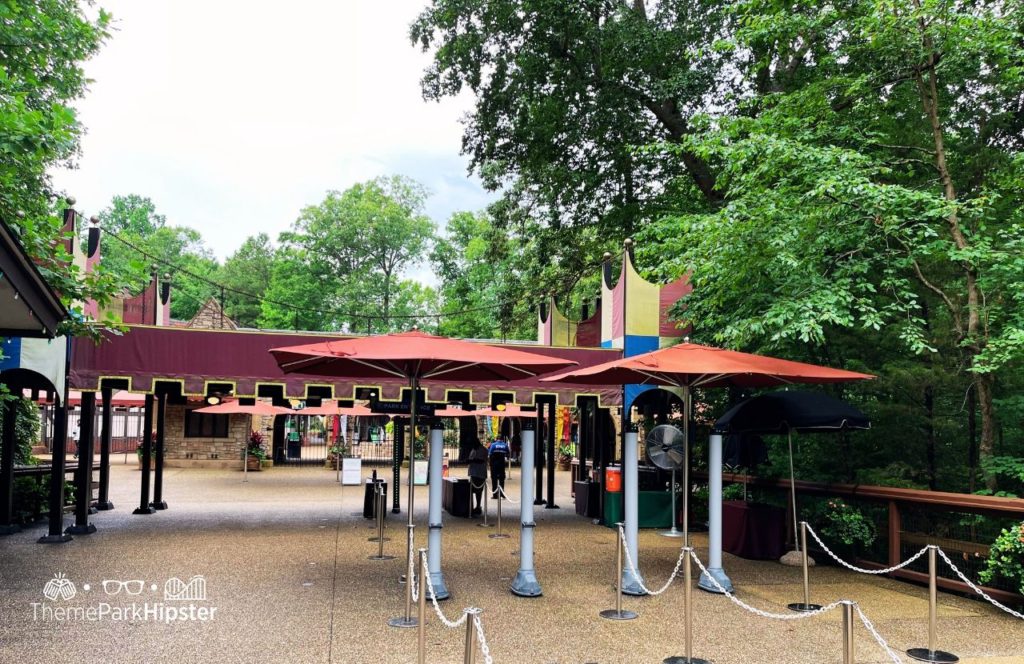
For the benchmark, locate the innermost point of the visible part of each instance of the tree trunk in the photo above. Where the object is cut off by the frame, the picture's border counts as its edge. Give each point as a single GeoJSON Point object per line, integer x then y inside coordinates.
{"type": "Point", "coordinates": [986, 448]}
{"type": "Point", "coordinates": [972, 439]}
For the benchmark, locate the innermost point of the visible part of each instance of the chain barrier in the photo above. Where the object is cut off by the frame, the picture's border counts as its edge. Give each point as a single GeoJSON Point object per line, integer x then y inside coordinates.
{"type": "Point", "coordinates": [483, 485]}
{"type": "Point", "coordinates": [505, 495]}
{"type": "Point", "coordinates": [437, 609]}
{"type": "Point", "coordinates": [906, 562]}
{"type": "Point", "coordinates": [975, 588]}
{"type": "Point", "coordinates": [764, 614]}
{"type": "Point", "coordinates": [636, 572]}
{"type": "Point", "coordinates": [861, 570]}
{"type": "Point", "coordinates": [479, 625]}
{"type": "Point", "coordinates": [878, 637]}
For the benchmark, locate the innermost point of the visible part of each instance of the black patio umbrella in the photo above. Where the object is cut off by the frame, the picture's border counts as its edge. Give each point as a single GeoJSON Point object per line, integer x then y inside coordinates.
{"type": "Point", "coordinates": [789, 411]}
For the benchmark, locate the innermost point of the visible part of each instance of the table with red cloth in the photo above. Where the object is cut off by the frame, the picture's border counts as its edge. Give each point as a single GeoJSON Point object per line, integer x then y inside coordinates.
{"type": "Point", "coordinates": [753, 530]}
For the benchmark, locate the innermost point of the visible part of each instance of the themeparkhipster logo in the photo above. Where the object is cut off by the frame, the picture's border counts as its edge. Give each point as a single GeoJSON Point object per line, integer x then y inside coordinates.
{"type": "Point", "coordinates": [124, 600]}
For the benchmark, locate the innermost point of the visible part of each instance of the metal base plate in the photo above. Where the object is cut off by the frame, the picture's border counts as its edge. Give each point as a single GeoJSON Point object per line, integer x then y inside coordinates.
{"type": "Point", "coordinates": [498, 536]}
{"type": "Point", "coordinates": [105, 506]}
{"type": "Point", "coordinates": [402, 622]}
{"type": "Point", "coordinates": [485, 525]}
{"type": "Point", "coordinates": [925, 655]}
{"type": "Point", "coordinates": [377, 539]}
{"type": "Point", "coordinates": [800, 607]}
{"type": "Point", "coordinates": [144, 510]}
{"type": "Point", "coordinates": [76, 529]}
{"type": "Point", "coordinates": [381, 557]}
{"type": "Point", "coordinates": [683, 660]}
{"type": "Point", "coordinates": [671, 533]}
{"type": "Point", "coordinates": [612, 614]}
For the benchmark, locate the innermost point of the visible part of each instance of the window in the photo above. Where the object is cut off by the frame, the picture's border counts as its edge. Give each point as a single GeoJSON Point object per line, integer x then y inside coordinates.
{"type": "Point", "coordinates": [205, 425]}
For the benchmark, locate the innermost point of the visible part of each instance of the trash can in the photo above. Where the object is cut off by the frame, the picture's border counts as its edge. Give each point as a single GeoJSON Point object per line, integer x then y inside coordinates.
{"type": "Point", "coordinates": [371, 486]}
{"type": "Point", "coordinates": [613, 508]}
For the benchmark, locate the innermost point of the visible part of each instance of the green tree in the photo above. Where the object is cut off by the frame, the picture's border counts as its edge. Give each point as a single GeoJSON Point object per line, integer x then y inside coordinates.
{"type": "Point", "coordinates": [246, 274]}
{"type": "Point", "coordinates": [42, 47]}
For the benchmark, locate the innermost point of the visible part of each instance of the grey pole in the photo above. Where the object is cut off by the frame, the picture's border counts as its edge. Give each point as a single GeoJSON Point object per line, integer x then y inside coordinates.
{"type": "Point", "coordinates": [380, 506]}
{"type": "Point", "coordinates": [715, 520]}
{"type": "Point", "coordinates": [631, 580]}
{"type": "Point", "coordinates": [525, 583]}
{"type": "Point", "coordinates": [673, 531]}
{"type": "Point", "coordinates": [848, 657]}
{"type": "Point", "coordinates": [930, 654]}
{"type": "Point", "coordinates": [499, 534]}
{"type": "Point", "coordinates": [486, 509]}
{"type": "Point", "coordinates": [805, 564]}
{"type": "Point", "coordinates": [688, 657]}
{"type": "Point", "coordinates": [617, 613]}
{"type": "Point", "coordinates": [407, 620]}
{"type": "Point", "coordinates": [421, 629]}
{"type": "Point", "coordinates": [434, 533]}
{"type": "Point", "coordinates": [470, 654]}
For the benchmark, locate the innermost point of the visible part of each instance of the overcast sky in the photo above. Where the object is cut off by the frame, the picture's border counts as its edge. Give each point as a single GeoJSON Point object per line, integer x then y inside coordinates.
{"type": "Point", "coordinates": [233, 115]}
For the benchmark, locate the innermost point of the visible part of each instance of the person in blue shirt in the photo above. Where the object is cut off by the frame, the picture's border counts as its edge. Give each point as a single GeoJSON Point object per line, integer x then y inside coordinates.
{"type": "Point", "coordinates": [498, 453]}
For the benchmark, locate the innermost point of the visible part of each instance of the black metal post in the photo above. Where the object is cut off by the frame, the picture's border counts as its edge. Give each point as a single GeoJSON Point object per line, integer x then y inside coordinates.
{"type": "Point", "coordinates": [552, 416]}
{"type": "Point", "coordinates": [106, 422]}
{"type": "Point", "coordinates": [397, 451]}
{"type": "Point", "coordinates": [538, 450]}
{"type": "Point", "coordinates": [83, 476]}
{"type": "Point", "coordinates": [55, 532]}
{"type": "Point", "coordinates": [158, 476]}
{"type": "Point", "coordinates": [7, 449]}
{"type": "Point", "coordinates": [147, 450]}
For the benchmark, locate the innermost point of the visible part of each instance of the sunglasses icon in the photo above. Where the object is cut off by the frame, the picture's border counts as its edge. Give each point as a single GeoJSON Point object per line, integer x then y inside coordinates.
{"type": "Point", "coordinates": [113, 586]}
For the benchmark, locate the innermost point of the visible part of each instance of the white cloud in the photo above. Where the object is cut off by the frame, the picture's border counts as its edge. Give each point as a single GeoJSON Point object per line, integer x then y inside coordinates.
{"type": "Point", "coordinates": [233, 115]}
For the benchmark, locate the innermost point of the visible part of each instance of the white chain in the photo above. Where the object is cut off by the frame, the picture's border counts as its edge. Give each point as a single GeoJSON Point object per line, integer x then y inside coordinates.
{"type": "Point", "coordinates": [505, 495]}
{"type": "Point", "coordinates": [479, 625]}
{"type": "Point", "coordinates": [636, 573]}
{"type": "Point", "coordinates": [861, 569]}
{"type": "Point", "coordinates": [878, 637]}
{"type": "Point", "coordinates": [433, 600]}
{"type": "Point", "coordinates": [976, 588]}
{"type": "Point", "coordinates": [764, 614]}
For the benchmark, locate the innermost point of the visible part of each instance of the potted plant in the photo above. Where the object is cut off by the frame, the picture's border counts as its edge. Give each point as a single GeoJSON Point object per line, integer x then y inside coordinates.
{"type": "Point", "coordinates": [138, 455]}
{"type": "Point", "coordinates": [337, 451]}
{"type": "Point", "coordinates": [564, 457]}
{"type": "Point", "coordinates": [257, 452]}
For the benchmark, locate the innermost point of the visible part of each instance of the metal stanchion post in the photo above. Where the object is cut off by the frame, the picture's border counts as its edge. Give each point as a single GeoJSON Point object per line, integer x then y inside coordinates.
{"type": "Point", "coordinates": [486, 509]}
{"type": "Point", "coordinates": [470, 655]}
{"type": "Point", "coordinates": [410, 578]}
{"type": "Point", "coordinates": [688, 657]}
{"type": "Point", "coordinates": [421, 635]}
{"type": "Point", "coordinates": [378, 501]}
{"type": "Point", "coordinates": [380, 529]}
{"type": "Point", "coordinates": [930, 654]}
{"type": "Point", "coordinates": [499, 534]}
{"type": "Point", "coordinates": [848, 632]}
{"type": "Point", "coordinates": [805, 605]}
{"type": "Point", "coordinates": [617, 613]}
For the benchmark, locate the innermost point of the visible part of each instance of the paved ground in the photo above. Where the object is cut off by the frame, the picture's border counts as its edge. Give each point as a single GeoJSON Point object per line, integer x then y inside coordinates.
{"type": "Point", "coordinates": [285, 564]}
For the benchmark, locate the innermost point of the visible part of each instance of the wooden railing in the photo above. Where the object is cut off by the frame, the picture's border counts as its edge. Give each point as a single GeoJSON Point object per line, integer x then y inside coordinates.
{"type": "Point", "coordinates": [899, 501]}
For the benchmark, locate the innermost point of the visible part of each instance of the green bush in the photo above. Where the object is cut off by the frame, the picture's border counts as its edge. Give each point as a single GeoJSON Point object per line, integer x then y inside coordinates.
{"type": "Point", "coordinates": [30, 498]}
{"type": "Point", "coordinates": [1006, 558]}
{"type": "Point", "coordinates": [844, 523]}
{"type": "Point", "coordinates": [26, 428]}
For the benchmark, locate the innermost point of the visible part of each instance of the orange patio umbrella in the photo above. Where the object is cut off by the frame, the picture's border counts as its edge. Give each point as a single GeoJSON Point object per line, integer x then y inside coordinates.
{"type": "Point", "coordinates": [235, 408]}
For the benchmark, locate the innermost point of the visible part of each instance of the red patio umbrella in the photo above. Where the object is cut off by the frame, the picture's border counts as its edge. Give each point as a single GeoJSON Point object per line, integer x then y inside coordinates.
{"type": "Point", "coordinates": [235, 408]}
{"type": "Point", "coordinates": [414, 356]}
{"type": "Point", "coordinates": [689, 365]}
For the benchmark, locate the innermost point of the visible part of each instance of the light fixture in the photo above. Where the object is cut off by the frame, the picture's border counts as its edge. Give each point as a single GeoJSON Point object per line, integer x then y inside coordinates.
{"type": "Point", "coordinates": [213, 400]}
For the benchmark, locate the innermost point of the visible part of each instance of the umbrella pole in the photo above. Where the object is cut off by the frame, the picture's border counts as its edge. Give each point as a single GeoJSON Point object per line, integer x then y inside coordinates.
{"type": "Point", "coordinates": [686, 466]}
{"type": "Point", "coordinates": [792, 488]}
{"type": "Point", "coordinates": [245, 455]}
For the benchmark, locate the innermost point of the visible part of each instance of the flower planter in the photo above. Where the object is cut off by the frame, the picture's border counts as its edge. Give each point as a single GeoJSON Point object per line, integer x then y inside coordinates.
{"type": "Point", "coordinates": [253, 463]}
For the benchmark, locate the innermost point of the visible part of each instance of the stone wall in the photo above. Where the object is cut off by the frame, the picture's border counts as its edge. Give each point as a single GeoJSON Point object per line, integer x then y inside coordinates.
{"type": "Point", "coordinates": [180, 451]}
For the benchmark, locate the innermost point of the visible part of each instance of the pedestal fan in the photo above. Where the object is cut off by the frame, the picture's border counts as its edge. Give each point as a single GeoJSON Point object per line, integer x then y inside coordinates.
{"type": "Point", "coordinates": [666, 448]}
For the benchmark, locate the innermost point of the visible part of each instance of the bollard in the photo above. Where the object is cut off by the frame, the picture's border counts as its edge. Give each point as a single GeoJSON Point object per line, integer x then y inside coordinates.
{"type": "Point", "coordinates": [380, 530]}
{"type": "Point", "coordinates": [930, 654]}
{"type": "Point", "coordinates": [407, 620]}
{"type": "Point", "coordinates": [499, 534]}
{"type": "Point", "coordinates": [617, 613]}
{"type": "Point", "coordinates": [848, 632]}
{"type": "Point", "coordinates": [486, 509]}
{"type": "Point", "coordinates": [421, 636]}
{"type": "Point", "coordinates": [688, 657]}
{"type": "Point", "coordinates": [804, 606]}
{"type": "Point", "coordinates": [471, 615]}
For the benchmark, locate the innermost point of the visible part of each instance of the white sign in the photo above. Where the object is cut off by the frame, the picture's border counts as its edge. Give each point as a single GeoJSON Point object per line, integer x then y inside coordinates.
{"type": "Point", "coordinates": [351, 471]}
{"type": "Point", "coordinates": [420, 474]}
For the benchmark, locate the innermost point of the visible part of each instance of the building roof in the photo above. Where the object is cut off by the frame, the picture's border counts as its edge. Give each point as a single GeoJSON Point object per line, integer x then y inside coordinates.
{"type": "Point", "coordinates": [28, 306]}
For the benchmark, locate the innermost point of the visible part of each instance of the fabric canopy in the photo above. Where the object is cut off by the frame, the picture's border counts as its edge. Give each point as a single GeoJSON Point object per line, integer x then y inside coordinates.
{"type": "Point", "coordinates": [235, 408]}
{"type": "Point", "coordinates": [416, 355]}
{"type": "Point", "coordinates": [797, 410]}
{"type": "Point", "coordinates": [334, 409]}
{"type": "Point", "coordinates": [693, 365]}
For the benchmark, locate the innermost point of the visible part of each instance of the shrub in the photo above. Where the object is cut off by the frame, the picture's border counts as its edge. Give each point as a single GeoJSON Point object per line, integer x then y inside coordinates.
{"type": "Point", "coordinates": [1006, 558]}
